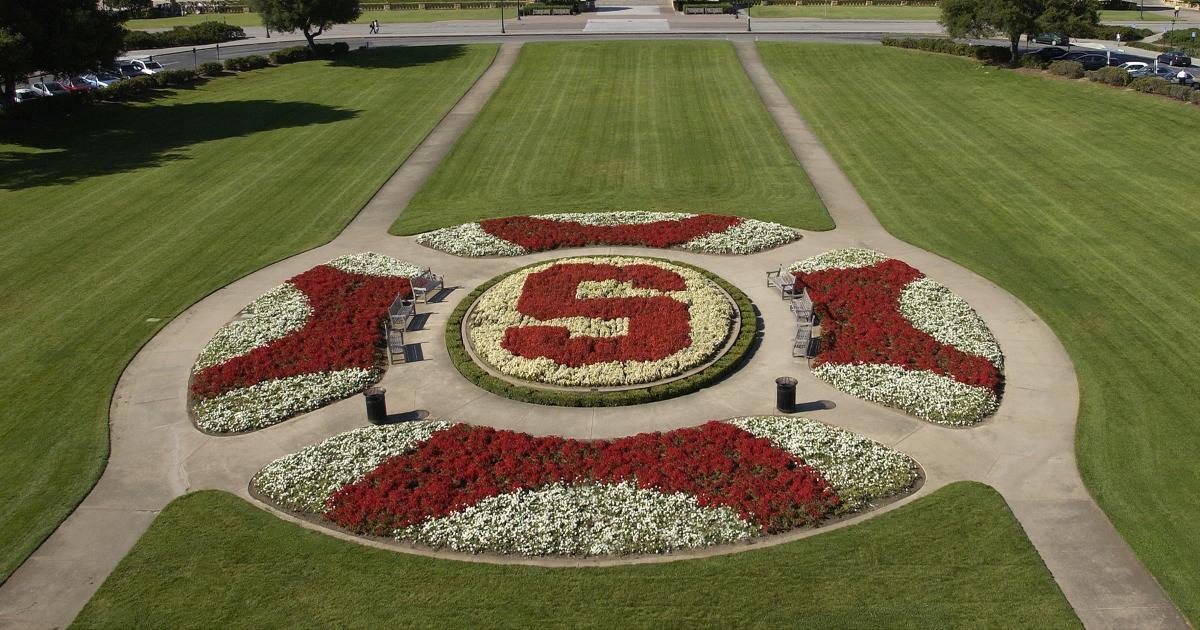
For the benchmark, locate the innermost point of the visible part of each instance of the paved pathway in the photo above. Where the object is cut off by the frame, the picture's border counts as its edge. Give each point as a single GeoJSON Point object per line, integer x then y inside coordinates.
{"type": "Point", "coordinates": [1026, 451]}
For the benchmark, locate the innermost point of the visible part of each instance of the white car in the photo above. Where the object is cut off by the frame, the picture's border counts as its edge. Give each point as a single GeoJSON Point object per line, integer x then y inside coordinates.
{"type": "Point", "coordinates": [49, 88]}
{"type": "Point", "coordinates": [1130, 66]}
{"type": "Point", "coordinates": [25, 94]}
{"type": "Point", "coordinates": [146, 67]}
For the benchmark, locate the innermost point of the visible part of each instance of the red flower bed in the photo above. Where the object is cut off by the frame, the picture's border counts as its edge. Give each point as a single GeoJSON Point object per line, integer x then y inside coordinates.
{"type": "Point", "coordinates": [543, 234]}
{"type": "Point", "coordinates": [861, 323]}
{"type": "Point", "coordinates": [719, 464]}
{"type": "Point", "coordinates": [659, 326]}
{"type": "Point", "coordinates": [342, 332]}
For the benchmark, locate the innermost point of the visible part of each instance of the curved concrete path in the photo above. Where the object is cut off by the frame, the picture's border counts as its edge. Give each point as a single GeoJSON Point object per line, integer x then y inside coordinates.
{"type": "Point", "coordinates": [1026, 451]}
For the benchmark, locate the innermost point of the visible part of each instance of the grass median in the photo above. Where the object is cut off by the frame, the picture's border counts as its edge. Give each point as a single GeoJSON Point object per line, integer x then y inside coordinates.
{"type": "Point", "coordinates": [953, 559]}
{"type": "Point", "coordinates": [1072, 196]}
{"type": "Point", "coordinates": [635, 125]}
{"type": "Point", "coordinates": [120, 218]}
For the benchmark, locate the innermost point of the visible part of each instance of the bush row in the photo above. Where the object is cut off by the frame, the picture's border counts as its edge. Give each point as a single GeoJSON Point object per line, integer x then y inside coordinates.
{"type": "Point", "coordinates": [196, 35]}
{"type": "Point", "coordinates": [249, 62]}
{"type": "Point", "coordinates": [1155, 85]}
{"type": "Point", "coordinates": [304, 53]}
{"type": "Point", "coordinates": [1111, 76]}
{"type": "Point", "coordinates": [1128, 34]}
{"type": "Point", "coordinates": [737, 354]}
{"type": "Point", "coordinates": [995, 54]}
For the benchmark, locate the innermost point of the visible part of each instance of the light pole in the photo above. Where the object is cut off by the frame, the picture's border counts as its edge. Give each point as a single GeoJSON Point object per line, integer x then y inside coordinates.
{"type": "Point", "coordinates": [501, 18]}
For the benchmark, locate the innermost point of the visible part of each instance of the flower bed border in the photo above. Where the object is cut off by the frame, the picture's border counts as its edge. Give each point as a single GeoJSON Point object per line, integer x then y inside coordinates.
{"type": "Point", "coordinates": [317, 522]}
{"type": "Point", "coordinates": [738, 351]}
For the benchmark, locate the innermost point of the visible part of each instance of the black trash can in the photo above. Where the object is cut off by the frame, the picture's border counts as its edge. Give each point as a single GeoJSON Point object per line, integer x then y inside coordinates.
{"type": "Point", "coordinates": [376, 405]}
{"type": "Point", "coordinates": [785, 394]}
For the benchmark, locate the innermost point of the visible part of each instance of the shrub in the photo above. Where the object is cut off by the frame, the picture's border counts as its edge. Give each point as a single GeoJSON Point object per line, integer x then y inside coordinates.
{"type": "Point", "coordinates": [1149, 85]}
{"type": "Point", "coordinates": [195, 35]}
{"type": "Point", "coordinates": [249, 62]}
{"type": "Point", "coordinates": [994, 54]}
{"type": "Point", "coordinates": [340, 48]}
{"type": "Point", "coordinates": [1128, 34]}
{"type": "Point", "coordinates": [1033, 61]}
{"type": "Point", "coordinates": [1069, 69]}
{"type": "Point", "coordinates": [127, 89]}
{"type": "Point", "coordinates": [291, 55]}
{"type": "Point", "coordinates": [211, 68]}
{"type": "Point", "coordinates": [169, 78]}
{"type": "Point", "coordinates": [1180, 92]}
{"type": "Point", "coordinates": [1194, 97]}
{"type": "Point", "coordinates": [1111, 76]}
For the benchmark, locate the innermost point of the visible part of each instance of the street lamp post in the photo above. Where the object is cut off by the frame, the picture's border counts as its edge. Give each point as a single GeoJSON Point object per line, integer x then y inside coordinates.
{"type": "Point", "coordinates": [501, 18]}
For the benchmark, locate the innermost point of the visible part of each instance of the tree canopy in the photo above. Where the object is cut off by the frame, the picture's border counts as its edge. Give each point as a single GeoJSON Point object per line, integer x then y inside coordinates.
{"type": "Point", "coordinates": [55, 37]}
{"type": "Point", "coordinates": [310, 17]}
{"type": "Point", "coordinates": [1014, 18]}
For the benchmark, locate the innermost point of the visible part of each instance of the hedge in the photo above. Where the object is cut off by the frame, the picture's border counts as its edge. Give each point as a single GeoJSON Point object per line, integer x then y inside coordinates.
{"type": "Point", "coordinates": [996, 54]}
{"type": "Point", "coordinates": [127, 89]}
{"type": "Point", "coordinates": [1069, 69]}
{"type": "Point", "coordinates": [1110, 75]}
{"type": "Point", "coordinates": [173, 78]}
{"type": "Point", "coordinates": [249, 62]}
{"type": "Point", "coordinates": [1128, 34]}
{"type": "Point", "coordinates": [195, 35]}
{"type": "Point", "coordinates": [211, 68]}
{"type": "Point", "coordinates": [725, 364]}
{"type": "Point", "coordinates": [291, 55]}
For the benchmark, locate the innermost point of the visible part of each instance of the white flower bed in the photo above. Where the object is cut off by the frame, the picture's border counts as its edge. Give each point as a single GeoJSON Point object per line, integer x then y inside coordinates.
{"type": "Point", "coordinates": [495, 312]}
{"type": "Point", "coordinates": [270, 402]}
{"type": "Point", "coordinates": [848, 258]}
{"type": "Point", "coordinates": [857, 468]}
{"type": "Point", "coordinates": [303, 481]}
{"type": "Point", "coordinates": [921, 393]}
{"type": "Point", "coordinates": [279, 312]}
{"type": "Point", "coordinates": [934, 309]}
{"type": "Point", "coordinates": [586, 519]}
{"type": "Point", "coordinates": [747, 237]}
{"type": "Point", "coordinates": [373, 264]}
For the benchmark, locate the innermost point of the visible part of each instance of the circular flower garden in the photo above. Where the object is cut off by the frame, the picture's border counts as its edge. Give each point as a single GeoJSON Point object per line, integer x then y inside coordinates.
{"type": "Point", "coordinates": [477, 489]}
{"type": "Point", "coordinates": [580, 325]}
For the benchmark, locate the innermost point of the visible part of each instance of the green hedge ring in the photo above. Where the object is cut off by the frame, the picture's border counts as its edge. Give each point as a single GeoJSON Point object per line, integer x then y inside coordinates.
{"type": "Point", "coordinates": [736, 355]}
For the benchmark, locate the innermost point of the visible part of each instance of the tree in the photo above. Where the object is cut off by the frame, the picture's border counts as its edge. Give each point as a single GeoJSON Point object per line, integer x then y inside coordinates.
{"type": "Point", "coordinates": [55, 37]}
{"type": "Point", "coordinates": [310, 17]}
{"type": "Point", "coordinates": [1014, 18]}
{"type": "Point", "coordinates": [129, 5]}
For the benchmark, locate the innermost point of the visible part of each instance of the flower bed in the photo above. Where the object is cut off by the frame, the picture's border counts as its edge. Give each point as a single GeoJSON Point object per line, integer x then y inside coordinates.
{"type": "Point", "coordinates": [300, 346]}
{"type": "Point", "coordinates": [893, 336]}
{"type": "Point", "coordinates": [600, 321]}
{"type": "Point", "coordinates": [514, 236]}
{"type": "Point", "coordinates": [479, 489]}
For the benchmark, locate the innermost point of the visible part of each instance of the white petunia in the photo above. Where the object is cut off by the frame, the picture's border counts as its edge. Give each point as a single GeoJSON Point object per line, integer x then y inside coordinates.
{"type": "Point", "coordinates": [921, 393]}
{"type": "Point", "coordinates": [276, 314]}
{"type": "Point", "coordinates": [933, 308]}
{"type": "Point", "coordinates": [373, 264]}
{"type": "Point", "coordinates": [270, 402]}
{"type": "Point", "coordinates": [848, 258]}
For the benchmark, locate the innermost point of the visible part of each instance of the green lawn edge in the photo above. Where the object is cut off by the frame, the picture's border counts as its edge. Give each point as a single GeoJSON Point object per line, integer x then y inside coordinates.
{"type": "Point", "coordinates": [1064, 193]}
{"type": "Point", "coordinates": [140, 251]}
{"type": "Point", "coordinates": [722, 367]}
{"type": "Point", "coordinates": [596, 126]}
{"type": "Point", "coordinates": [956, 558]}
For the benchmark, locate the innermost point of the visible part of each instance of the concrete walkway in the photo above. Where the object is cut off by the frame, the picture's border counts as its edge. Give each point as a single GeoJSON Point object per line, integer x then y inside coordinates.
{"type": "Point", "coordinates": [1026, 451]}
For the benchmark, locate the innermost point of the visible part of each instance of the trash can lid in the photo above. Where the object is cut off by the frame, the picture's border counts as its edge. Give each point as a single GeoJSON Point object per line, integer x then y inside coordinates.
{"type": "Point", "coordinates": [374, 391]}
{"type": "Point", "coordinates": [785, 380]}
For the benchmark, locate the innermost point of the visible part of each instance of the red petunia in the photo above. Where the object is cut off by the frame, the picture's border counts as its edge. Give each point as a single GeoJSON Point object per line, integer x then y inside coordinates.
{"type": "Point", "coordinates": [537, 235]}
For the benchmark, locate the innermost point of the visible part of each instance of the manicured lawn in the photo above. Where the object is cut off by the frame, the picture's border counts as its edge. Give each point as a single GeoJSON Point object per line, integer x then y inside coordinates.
{"type": "Point", "coordinates": [1077, 199]}
{"type": "Point", "coordinates": [1125, 17]}
{"type": "Point", "coordinates": [620, 126]}
{"type": "Point", "coordinates": [386, 17]}
{"type": "Point", "coordinates": [956, 558]}
{"type": "Point", "coordinates": [117, 220]}
{"type": "Point", "coordinates": [846, 13]}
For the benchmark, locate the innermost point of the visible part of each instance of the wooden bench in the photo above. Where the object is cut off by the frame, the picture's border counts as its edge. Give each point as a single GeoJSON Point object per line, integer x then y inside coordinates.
{"type": "Point", "coordinates": [425, 283]}
{"type": "Point", "coordinates": [784, 281]}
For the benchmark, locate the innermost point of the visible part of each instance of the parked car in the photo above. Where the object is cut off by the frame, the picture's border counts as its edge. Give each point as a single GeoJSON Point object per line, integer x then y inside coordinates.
{"type": "Point", "coordinates": [101, 79]}
{"type": "Point", "coordinates": [1175, 58]}
{"type": "Point", "coordinates": [1095, 61]}
{"type": "Point", "coordinates": [1072, 56]}
{"type": "Point", "coordinates": [1161, 72]}
{"type": "Point", "coordinates": [49, 88]}
{"type": "Point", "coordinates": [1047, 53]}
{"type": "Point", "coordinates": [126, 70]}
{"type": "Point", "coordinates": [1183, 78]}
{"type": "Point", "coordinates": [26, 94]}
{"type": "Point", "coordinates": [147, 67]}
{"type": "Point", "coordinates": [1133, 66]}
{"type": "Point", "coordinates": [76, 84]}
{"type": "Point", "coordinates": [1054, 39]}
